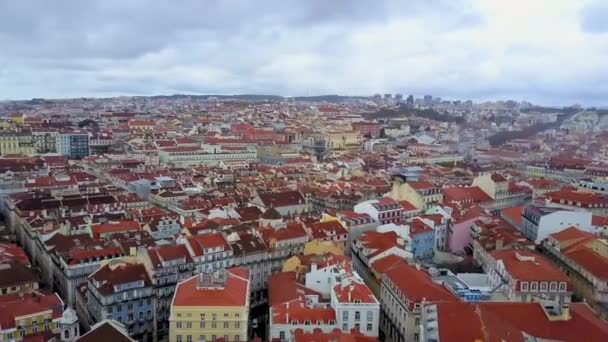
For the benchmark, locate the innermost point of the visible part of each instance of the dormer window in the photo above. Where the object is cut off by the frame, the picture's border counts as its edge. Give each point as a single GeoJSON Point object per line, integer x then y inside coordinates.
{"type": "Point", "coordinates": [553, 286]}
{"type": "Point", "coordinates": [524, 286]}
{"type": "Point", "coordinates": [562, 287]}
{"type": "Point", "coordinates": [294, 322]}
{"type": "Point", "coordinates": [534, 286]}
{"type": "Point", "coordinates": [306, 322]}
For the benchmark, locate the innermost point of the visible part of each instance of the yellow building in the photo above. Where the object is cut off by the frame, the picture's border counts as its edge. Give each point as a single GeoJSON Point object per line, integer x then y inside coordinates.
{"type": "Point", "coordinates": [420, 193]}
{"type": "Point", "coordinates": [16, 143]}
{"type": "Point", "coordinates": [342, 140]}
{"type": "Point", "coordinates": [318, 247]}
{"type": "Point", "coordinates": [17, 118]}
{"type": "Point", "coordinates": [28, 314]}
{"type": "Point", "coordinates": [210, 306]}
{"type": "Point", "coordinates": [294, 264]}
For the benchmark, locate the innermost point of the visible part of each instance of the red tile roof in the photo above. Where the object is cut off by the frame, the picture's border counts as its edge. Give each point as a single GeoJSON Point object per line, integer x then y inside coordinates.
{"type": "Point", "coordinates": [234, 291]}
{"type": "Point", "coordinates": [12, 306]}
{"type": "Point", "coordinates": [462, 321]}
{"type": "Point", "coordinates": [504, 321]}
{"type": "Point", "coordinates": [416, 285]}
{"type": "Point", "coordinates": [571, 233]}
{"type": "Point", "coordinates": [525, 265]}
{"type": "Point", "coordinates": [353, 291]}
{"type": "Point", "coordinates": [298, 311]}
{"type": "Point", "coordinates": [198, 243]}
{"type": "Point", "coordinates": [465, 194]}
{"type": "Point", "coordinates": [530, 318]}
{"type": "Point", "coordinates": [10, 252]}
{"type": "Point", "coordinates": [593, 262]}
{"type": "Point", "coordinates": [587, 199]}
{"type": "Point", "coordinates": [117, 273]}
{"type": "Point", "coordinates": [281, 199]}
{"type": "Point", "coordinates": [283, 288]}
{"type": "Point", "coordinates": [496, 177]}
{"type": "Point", "coordinates": [407, 206]}
{"type": "Point", "coordinates": [384, 264]}
{"type": "Point", "coordinates": [291, 231]}
{"type": "Point", "coordinates": [115, 227]}
{"type": "Point", "coordinates": [513, 214]}
{"type": "Point", "coordinates": [326, 230]}
{"type": "Point", "coordinates": [419, 226]}
{"type": "Point", "coordinates": [422, 185]}
{"type": "Point", "coordinates": [165, 253]}
{"type": "Point", "coordinates": [335, 336]}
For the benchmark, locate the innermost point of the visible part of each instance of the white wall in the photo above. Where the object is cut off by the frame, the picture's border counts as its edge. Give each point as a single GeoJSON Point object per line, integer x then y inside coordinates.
{"type": "Point", "coordinates": [559, 220]}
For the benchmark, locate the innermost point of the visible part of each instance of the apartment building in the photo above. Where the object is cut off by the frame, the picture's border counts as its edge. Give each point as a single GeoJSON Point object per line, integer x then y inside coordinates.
{"type": "Point", "coordinates": [210, 306]}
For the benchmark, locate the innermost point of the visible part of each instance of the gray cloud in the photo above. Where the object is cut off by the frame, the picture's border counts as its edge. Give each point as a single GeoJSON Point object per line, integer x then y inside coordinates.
{"type": "Point", "coordinates": [455, 48]}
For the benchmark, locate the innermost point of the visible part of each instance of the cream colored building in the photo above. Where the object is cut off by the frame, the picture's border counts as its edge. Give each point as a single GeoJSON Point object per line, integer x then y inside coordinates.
{"type": "Point", "coordinates": [210, 306]}
{"type": "Point", "coordinates": [342, 140]}
{"type": "Point", "coordinates": [421, 194]}
{"type": "Point", "coordinates": [16, 143]}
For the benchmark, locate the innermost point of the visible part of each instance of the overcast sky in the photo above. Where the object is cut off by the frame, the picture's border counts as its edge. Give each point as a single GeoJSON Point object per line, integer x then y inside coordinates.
{"type": "Point", "coordinates": [546, 51]}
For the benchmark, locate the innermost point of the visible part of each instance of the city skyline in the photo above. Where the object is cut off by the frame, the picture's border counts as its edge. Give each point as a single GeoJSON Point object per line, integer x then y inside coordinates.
{"type": "Point", "coordinates": [459, 50]}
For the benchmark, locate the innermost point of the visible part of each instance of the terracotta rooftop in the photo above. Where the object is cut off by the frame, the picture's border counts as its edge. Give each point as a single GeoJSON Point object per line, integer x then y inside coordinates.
{"type": "Point", "coordinates": [234, 291]}
{"type": "Point", "coordinates": [525, 265]}
{"type": "Point", "coordinates": [416, 285]}
{"type": "Point", "coordinates": [105, 331]}
{"type": "Point", "coordinates": [504, 321]}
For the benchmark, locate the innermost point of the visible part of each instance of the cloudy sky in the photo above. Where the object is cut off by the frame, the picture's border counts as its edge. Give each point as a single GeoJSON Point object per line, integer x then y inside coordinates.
{"type": "Point", "coordinates": [546, 51]}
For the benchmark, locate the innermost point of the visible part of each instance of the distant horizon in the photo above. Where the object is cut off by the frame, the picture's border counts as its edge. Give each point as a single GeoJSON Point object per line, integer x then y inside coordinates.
{"type": "Point", "coordinates": [416, 96]}
{"type": "Point", "coordinates": [550, 52]}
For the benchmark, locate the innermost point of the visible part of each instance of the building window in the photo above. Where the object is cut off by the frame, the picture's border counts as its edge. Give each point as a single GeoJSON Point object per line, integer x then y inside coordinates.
{"type": "Point", "coordinates": [202, 325]}
{"type": "Point", "coordinates": [237, 325]}
{"type": "Point", "coordinates": [553, 286]}
{"type": "Point", "coordinates": [213, 325]}
{"type": "Point", "coordinates": [345, 327]}
{"type": "Point", "coordinates": [237, 338]}
{"type": "Point", "coordinates": [357, 316]}
{"type": "Point", "coordinates": [370, 316]}
{"type": "Point", "coordinates": [369, 327]}
{"type": "Point", "coordinates": [188, 325]}
{"type": "Point", "coordinates": [357, 327]}
{"type": "Point", "coordinates": [178, 338]}
{"type": "Point", "coordinates": [213, 337]}
{"type": "Point", "coordinates": [345, 316]}
{"type": "Point", "coordinates": [225, 325]}
{"type": "Point", "coordinates": [543, 286]}
{"type": "Point", "coordinates": [188, 338]}
{"type": "Point", "coordinates": [282, 335]}
{"type": "Point", "coordinates": [524, 286]}
{"type": "Point", "coordinates": [562, 287]}
{"type": "Point", "coordinates": [306, 322]}
{"type": "Point", "coordinates": [534, 286]}
{"type": "Point", "coordinates": [178, 324]}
